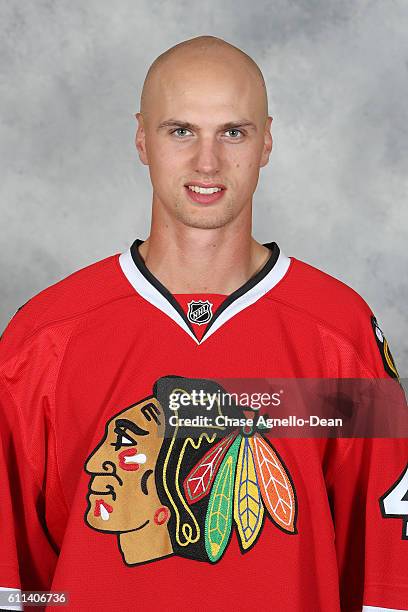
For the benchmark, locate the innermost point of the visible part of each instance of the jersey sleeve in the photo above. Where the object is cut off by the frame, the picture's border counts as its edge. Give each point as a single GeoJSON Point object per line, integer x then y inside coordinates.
{"type": "Point", "coordinates": [368, 494]}
{"type": "Point", "coordinates": [10, 580]}
{"type": "Point", "coordinates": [33, 510]}
{"type": "Point", "coordinates": [28, 555]}
{"type": "Point", "coordinates": [368, 491]}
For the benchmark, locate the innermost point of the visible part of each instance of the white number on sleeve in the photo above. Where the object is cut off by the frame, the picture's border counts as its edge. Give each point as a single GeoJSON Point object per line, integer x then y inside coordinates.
{"type": "Point", "coordinates": [394, 503]}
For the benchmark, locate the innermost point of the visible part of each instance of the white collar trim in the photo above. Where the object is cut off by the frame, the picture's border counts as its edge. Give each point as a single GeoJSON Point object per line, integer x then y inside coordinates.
{"type": "Point", "coordinates": [153, 295]}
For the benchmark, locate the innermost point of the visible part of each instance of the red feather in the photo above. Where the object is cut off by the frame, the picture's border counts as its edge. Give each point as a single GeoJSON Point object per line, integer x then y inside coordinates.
{"type": "Point", "coordinates": [199, 481]}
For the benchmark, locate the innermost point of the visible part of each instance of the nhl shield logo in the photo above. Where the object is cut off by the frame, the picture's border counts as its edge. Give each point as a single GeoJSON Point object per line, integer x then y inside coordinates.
{"type": "Point", "coordinates": [199, 312]}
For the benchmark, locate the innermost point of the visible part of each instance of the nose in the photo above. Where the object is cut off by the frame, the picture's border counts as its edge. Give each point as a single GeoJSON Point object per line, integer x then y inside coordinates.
{"type": "Point", "coordinates": [97, 461]}
{"type": "Point", "coordinates": [207, 157]}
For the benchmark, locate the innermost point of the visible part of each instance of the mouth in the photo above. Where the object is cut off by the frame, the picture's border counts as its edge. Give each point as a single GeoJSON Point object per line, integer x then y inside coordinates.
{"type": "Point", "coordinates": [204, 194]}
{"type": "Point", "coordinates": [108, 491]}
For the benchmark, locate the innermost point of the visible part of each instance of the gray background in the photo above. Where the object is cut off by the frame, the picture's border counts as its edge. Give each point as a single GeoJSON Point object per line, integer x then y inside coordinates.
{"type": "Point", "coordinates": [334, 194]}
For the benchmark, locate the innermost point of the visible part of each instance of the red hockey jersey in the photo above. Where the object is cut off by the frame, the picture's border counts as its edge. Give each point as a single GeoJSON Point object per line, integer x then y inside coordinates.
{"type": "Point", "coordinates": [101, 498]}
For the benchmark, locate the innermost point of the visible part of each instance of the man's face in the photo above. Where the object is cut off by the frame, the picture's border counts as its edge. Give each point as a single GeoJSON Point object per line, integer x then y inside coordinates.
{"type": "Point", "coordinates": [205, 123]}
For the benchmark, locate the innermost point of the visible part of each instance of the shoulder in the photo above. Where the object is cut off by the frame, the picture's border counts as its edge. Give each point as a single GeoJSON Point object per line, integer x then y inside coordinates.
{"type": "Point", "coordinates": [341, 316]}
{"type": "Point", "coordinates": [66, 301]}
{"type": "Point", "coordinates": [323, 297]}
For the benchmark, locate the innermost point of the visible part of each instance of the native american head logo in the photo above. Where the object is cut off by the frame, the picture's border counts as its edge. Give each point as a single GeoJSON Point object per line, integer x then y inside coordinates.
{"type": "Point", "coordinates": [166, 489]}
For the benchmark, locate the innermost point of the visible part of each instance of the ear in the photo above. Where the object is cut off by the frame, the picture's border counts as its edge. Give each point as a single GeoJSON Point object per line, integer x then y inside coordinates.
{"type": "Point", "coordinates": [140, 139]}
{"type": "Point", "coordinates": [268, 142]}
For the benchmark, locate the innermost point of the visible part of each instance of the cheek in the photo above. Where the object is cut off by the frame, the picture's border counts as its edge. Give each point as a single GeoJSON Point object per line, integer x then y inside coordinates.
{"type": "Point", "coordinates": [130, 459]}
{"type": "Point", "coordinates": [165, 174]}
{"type": "Point", "coordinates": [168, 157]}
{"type": "Point", "coordinates": [243, 158]}
{"type": "Point", "coordinates": [245, 172]}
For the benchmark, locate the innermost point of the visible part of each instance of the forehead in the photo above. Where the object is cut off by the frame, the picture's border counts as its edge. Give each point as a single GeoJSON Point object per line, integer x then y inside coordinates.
{"type": "Point", "coordinates": [144, 414]}
{"type": "Point", "coordinates": [204, 92]}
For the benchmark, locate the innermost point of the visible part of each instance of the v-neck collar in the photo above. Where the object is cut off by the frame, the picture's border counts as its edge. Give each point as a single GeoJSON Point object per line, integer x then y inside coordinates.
{"type": "Point", "coordinates": [149, 287]}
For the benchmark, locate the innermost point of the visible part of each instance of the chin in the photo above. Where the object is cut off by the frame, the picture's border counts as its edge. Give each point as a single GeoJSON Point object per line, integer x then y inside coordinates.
{"type": "Point", "coordinates": [205, 219]}
{"type": "Point", "coordinates": [204, 223]}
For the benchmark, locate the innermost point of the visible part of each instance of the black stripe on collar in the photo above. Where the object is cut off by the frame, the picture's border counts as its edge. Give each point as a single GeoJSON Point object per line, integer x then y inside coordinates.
{"type": "Point", "coordinates": [249, 284]}
{"type": "Point", "coordinates": [254, 280]}
{"type": "Point", "coordinates": [140, 264]}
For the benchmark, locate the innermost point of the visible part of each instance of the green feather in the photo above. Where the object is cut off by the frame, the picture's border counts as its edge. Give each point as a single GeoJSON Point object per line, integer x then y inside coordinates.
{"type": "Point", "coordinates": [218, 521]}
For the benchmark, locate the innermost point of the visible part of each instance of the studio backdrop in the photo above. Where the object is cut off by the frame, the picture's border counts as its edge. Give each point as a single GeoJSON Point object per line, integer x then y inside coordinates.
{"type": "Point", "coordinates": [334, 193]}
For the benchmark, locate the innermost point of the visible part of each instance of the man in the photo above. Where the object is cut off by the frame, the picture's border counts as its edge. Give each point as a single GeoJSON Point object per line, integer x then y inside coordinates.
{"type": "Point", "coordinates": [121, 493]}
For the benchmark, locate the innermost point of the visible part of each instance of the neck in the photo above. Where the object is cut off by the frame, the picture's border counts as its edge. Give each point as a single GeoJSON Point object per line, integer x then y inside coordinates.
{"type": "Point", "coordinates": [194, 260]}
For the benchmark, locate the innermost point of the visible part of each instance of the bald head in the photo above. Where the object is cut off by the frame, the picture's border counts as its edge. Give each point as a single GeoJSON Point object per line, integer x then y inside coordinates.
{"type": "Point", "coordinates": [204, 118]}
{"type": "Point", "coordinates": [195, 54]}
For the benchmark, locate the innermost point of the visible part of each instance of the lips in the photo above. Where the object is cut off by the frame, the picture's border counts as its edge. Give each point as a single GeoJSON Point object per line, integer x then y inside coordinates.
{"type": "Point", "coordinates": [205, 198]}
{"type": "Point", "coordinates": [204, 185]}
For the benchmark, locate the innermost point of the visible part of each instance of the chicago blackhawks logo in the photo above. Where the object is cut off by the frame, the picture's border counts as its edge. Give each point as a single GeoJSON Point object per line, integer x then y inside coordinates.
{"type": "Point", "coordinates": [199, 311]}
{"type": "Point", "coordinates": [165, 489]}
{"type": "Point", "coordinates": [387, 358]}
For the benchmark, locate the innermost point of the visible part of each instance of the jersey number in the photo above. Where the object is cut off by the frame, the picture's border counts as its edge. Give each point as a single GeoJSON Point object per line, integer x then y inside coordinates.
{"type": "Point", "coordinates": [394, 503]}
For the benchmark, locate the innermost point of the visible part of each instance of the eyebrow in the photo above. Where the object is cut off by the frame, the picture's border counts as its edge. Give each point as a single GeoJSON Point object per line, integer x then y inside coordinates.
{"type": "Point", "coordinates": [126, 424]}
{"type": "Point", "coordinates": [191, 126]}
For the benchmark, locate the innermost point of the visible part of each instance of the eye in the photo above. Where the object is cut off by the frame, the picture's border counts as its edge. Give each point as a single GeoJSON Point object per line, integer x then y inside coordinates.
{"type": "Point", "coordinates": [179, 130]}
{"type": "Point", "coordinates": [122, 439]}
{"type": "Point", "coordinates": [236, 131]}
